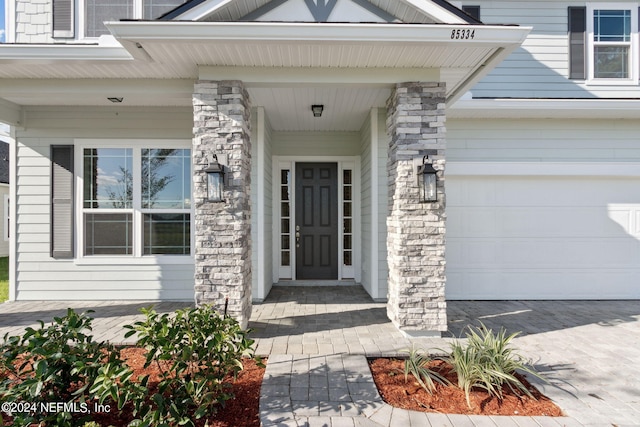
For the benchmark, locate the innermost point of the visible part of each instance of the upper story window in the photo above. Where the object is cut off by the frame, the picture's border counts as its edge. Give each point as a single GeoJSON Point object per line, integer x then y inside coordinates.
{"type": "Point", "coordinates": [96, 12]}
{"type": "Point", "coordinates": [612, 38]}
{"type": "Point", "coordinates": [611, 44]}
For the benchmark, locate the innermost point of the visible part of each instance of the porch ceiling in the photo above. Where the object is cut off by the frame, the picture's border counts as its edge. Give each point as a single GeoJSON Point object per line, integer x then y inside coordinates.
{"type": "Point", "coordinates": [352, 66]}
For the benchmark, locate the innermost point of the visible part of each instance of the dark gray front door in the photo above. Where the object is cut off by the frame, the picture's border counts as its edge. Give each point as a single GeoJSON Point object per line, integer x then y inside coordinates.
{"type": "Point", "coordinates": [316, 221]}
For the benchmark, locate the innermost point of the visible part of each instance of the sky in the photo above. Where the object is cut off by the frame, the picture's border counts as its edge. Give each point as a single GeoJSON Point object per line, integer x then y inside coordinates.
{"type": "Point", "coordinates": [1, 21]}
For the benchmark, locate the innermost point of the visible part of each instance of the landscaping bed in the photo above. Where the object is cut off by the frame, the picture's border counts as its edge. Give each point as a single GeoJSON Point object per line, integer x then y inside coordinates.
{"type": "Point", "coordinates": [388, 375]}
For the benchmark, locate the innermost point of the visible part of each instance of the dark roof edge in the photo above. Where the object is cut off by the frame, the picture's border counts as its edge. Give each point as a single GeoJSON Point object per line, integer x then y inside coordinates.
{"type": "Point", "coordinates": [458, 12]}
{"type": "Point", "coordinates": [180, 10]}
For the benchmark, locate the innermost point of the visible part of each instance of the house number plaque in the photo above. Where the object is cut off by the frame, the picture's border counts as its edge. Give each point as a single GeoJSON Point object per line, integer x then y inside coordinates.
{"type": "Point", "coordinates": [463, 34]}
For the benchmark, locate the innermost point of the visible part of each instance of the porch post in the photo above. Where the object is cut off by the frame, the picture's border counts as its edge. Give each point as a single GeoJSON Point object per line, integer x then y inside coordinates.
{"type": "Point", "coordinates": [415, 230]}
{"type": "Point", "coordinates": [221, 117]}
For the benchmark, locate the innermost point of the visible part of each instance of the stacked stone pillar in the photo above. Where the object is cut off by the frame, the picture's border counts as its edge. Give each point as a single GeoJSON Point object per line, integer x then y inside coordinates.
{"type": "Point", "coordinates": [416, 230]}
{"type": "Point", "coordinates": [221, 116]}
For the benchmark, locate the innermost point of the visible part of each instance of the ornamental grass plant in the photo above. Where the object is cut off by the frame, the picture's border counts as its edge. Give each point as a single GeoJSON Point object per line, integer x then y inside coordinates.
{"type": "Point", "coordinates": [488, 361]}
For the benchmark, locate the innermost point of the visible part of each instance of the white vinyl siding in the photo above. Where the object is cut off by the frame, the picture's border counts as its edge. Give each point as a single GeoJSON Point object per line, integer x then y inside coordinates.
{"type": "Point", "coordinates": [368, 262]}
{"type": "Point", "coordinates": [316, 143]}
{"type": "Point", "coordinates": [261, 249]}
{"type": "Point", "coordinates": [565, 140]}
{"type": "Point", "coordinates": [40, 277]}
{"type": "Point", "coordinates": [374, 204]}
{"type": "Point", "coordinates": [383, 202]}
{"type": "Point", "coordinates": [539, 68]}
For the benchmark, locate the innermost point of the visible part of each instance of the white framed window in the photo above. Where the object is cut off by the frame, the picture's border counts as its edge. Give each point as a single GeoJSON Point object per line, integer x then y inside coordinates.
{"type": "Point", "coordinates": [93, 13]}
{"type": "Point", "coordinates": [134, 199]}
{"type": "Point", "coordinates": [612, 37]}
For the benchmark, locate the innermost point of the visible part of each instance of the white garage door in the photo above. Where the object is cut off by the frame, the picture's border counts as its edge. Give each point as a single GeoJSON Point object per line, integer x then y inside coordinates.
{"type": "Point", "coordinates": [545, 237]}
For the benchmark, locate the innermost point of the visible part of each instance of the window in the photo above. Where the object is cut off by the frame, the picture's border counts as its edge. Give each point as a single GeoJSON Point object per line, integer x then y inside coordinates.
{"type": "Point", "coordinates": [99, 11]}
{"type": "Point", "coordinates": [473, 11]}
{"type": "Point", "coordinates": [612, 36]}
{"type": "Point", "coordinates": [611, 43]}
{"type": "Point", "coordinates": [136, 201]}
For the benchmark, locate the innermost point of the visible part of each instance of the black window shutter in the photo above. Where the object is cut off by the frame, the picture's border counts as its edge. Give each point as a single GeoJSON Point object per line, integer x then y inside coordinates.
{"type": "Point", "coordinates": [577, 42]}
{"type": "Point", "coordinates": [474, 11]}
{"type": "Point", "coordinates": [62, 201]}
{"type": "Point", "coordinates": [63, 18]}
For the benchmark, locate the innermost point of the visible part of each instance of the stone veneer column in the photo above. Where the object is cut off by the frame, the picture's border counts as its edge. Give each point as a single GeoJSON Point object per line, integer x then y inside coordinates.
{"type": "Point", "coordinates": [415, 230]}
{"type": "Point", "coordinates": [221, 117]}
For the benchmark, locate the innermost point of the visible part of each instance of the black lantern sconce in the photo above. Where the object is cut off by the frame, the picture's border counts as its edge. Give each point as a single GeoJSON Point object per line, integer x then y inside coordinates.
{"type": "Point", "coordinates": [215, 180]}
{"type": "Point", "coordinates": [426, 177]}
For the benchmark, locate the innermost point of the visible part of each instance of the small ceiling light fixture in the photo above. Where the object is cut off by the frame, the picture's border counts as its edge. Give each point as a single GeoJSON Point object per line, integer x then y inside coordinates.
{"type": "Point", "coordinates": [317, 110]}
{"type": "Point", "coordinates": [426, 177]}
{"type": "Point", "coordinates": [116, 99]}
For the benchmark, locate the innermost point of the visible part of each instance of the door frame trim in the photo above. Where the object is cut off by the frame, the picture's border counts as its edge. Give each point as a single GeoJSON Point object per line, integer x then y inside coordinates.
{"type": "Point", "coordinates": [344, 162]}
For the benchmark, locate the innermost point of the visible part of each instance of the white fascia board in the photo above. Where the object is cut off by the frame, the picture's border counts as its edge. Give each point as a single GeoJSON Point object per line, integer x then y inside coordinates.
{"type": "Point", "coordinates": [484, 35]}
{"type": "Point", "coordinates": [60, 53]}
{"type": "Point", "coordinates": [545, 108]}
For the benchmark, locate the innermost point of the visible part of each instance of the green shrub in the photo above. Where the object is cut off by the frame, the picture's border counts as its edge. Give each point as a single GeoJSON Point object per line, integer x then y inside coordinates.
{"type": "Point", "coordinates": [417, 365]}
{"type": "Point", "coordinates": [59, 363]}
{"type": "Point", "coordinates": [487, 361]}
{"type": "Point", "coordinates": [194, 349]}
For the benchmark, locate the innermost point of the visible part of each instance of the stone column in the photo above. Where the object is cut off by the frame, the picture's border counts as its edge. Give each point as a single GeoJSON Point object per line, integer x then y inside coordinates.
{"type": "Point", "coordinates": [221, 117]}
{"type": "Point", "coordinates": [416, 230]}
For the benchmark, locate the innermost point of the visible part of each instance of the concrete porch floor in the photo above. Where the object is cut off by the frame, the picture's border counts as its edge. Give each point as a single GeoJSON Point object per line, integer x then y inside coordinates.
{"type": "Point", "coordinates": [317, 340]}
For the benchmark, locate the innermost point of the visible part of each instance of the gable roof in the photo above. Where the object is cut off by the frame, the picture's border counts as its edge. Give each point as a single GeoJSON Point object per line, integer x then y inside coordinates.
{"type": "Point", "coordinates": [403, 11]}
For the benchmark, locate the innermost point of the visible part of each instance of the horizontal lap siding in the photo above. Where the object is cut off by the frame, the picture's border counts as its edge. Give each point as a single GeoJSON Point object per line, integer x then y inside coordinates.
{"type": "Point", "coordinates": [268, 207]}
{"type": "Point", "coordinates": [383, 201]}
{"type": "Point", "coordinates": [539, 69]}
{"type": "Point", "coordinates": [368, 262]}
{"type": "Point", "coordinates": [40, 277]}
{"type": "Point", "coordinates": [540, 140]}
{"type": "Point", "coordinates": [316, 143]}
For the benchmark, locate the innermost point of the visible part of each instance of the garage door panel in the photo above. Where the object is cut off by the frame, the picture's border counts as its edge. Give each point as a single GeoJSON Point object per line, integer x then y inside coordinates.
{"type": "Point", "coordinates": [541, 191]}
{"type": "Point", "coordinates": [472, 222]}
{"type": "Point", "coordinates": [543, 238]}
{"type": "Point", "coordinates": [547, 253]}
{"type": "Point", "coordinates": [550, 284]}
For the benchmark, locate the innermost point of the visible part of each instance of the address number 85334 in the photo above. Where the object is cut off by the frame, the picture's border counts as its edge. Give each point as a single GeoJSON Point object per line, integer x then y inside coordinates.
{"type": "Point", "coordinates": [463, 34]}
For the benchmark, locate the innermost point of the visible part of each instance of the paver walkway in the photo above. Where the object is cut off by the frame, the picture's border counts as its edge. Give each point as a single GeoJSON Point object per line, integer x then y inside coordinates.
{"type": "Point", "coordinates": [317, 340]}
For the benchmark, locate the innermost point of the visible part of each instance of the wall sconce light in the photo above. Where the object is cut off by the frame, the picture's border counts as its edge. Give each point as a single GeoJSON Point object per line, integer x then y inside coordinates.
{"type": "Point", "coordinates": [426, 177]}
{"type": "Point", "coordinates": [215, 180]}
{"type": "Point", "coordinates": [317, 110]}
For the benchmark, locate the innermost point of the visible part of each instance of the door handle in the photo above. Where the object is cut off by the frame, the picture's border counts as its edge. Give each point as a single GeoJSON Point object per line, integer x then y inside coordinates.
{"type": "Point", "coordinates": [297, 236]}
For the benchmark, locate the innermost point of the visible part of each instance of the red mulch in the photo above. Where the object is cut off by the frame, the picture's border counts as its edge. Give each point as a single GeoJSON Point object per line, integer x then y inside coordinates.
{"type": "Point", "coordinates": [388, 375]}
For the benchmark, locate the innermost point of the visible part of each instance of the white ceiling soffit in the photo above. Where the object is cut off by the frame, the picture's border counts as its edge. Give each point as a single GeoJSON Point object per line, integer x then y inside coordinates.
{"type": "Point", "coordinates": [407, 11]}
